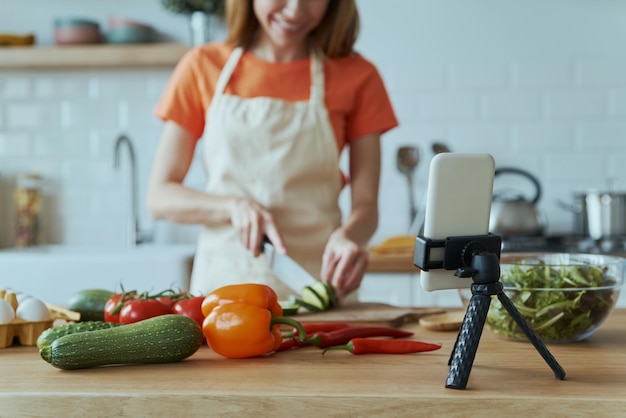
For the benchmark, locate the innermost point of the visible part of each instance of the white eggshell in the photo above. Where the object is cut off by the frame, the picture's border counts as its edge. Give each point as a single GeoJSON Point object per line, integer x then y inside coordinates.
{"type": "Point", "coordinates": [21, 297]}
{"type": "Point", "coordinates": [6, 312]}
{"type": "Point", "coordinates": [33, 310]}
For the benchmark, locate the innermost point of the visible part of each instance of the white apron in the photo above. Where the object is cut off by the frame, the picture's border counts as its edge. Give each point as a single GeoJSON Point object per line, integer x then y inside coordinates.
{"type": "Point", "coordinates": [283, 155]}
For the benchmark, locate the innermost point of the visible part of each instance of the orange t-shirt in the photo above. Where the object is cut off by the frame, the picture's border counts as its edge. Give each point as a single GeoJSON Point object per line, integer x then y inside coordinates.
{"type": "Point", "coordinates": [355, 95]}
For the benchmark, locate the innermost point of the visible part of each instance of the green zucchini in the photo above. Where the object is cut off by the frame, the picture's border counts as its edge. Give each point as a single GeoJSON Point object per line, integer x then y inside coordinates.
{"type": "Point", "coordinates": [89, 303]}
{"type": "Point", "coordinates": [162, 339]}
{"type": "Point", "coordinates": [48, 336]}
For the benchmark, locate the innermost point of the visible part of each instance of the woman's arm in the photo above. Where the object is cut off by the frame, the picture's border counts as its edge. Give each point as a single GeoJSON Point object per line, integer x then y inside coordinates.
{"type": "Point", "coordinates": [345, 256]}
{"type": "Point", "coordinates": [170, 200]}
{"type": "Point", "coordinates": [364, 182]}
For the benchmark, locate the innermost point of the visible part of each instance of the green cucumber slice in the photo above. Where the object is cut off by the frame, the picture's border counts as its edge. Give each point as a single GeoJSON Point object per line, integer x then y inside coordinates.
{"type": "Point", "coordinates": [307, 306]}
{"type": "Point", "coordinates": [311, 297]}
{"type": "Point", "coordinates": [322, 290]}
{"type": "Point", "coordinates": [289, 308]}
{"type": "Point", "coordinates": [332, 295]}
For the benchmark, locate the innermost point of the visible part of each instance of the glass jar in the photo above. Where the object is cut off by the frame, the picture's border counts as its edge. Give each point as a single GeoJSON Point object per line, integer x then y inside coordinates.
{"type": "Point", "coordinates": [27, 210]}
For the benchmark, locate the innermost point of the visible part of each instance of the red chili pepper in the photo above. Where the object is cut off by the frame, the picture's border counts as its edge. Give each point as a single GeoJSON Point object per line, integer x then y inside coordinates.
{"type": "Point", "coordinates": [375, 346]}
{"type": "Point", "coordinates": [315, 327]}
{"type": "Point", "coordinates": [343, 336]}
{"type": "Point", "coordinates": [291, 343]}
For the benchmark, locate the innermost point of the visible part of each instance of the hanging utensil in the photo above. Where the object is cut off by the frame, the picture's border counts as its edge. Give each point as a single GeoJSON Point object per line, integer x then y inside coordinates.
{"type": "Point", "coordinates": [439, 147]}
{"type": "Point", "coordinates": [408, 158]}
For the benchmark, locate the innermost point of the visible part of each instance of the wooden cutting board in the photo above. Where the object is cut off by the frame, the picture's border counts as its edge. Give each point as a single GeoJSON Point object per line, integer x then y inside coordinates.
{"type": "Point", "coordinates": [369, 314]}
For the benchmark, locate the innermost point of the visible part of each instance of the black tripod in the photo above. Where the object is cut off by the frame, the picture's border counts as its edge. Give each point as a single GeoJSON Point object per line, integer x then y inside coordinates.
{"type": "Point", "coordinates": [476, 257]}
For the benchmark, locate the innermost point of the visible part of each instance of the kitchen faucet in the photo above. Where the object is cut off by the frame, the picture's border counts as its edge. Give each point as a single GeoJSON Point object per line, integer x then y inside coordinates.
{"type": "Point", "coordinates": [139, 237]}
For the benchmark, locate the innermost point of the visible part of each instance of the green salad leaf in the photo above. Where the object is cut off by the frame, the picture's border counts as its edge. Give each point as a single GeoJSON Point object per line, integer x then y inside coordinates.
{"type": "Point", "coordinates": [561, 303]}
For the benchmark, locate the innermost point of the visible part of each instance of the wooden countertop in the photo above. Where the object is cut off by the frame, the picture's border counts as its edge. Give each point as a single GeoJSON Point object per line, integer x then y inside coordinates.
{"type": "Point", "coordinates": [508, 378]}
{"type": "Point", "coordinates": [391, 263]}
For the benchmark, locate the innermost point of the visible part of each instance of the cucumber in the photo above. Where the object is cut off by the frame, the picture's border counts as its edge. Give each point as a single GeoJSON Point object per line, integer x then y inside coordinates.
{"type": "Point", "coordinates": [305, 305]}
{"type": "Point", "coordinates": [162, 339]}
{"type": "Point", "coordinates": [49, 335]}
{"type": "Point", "coordinates": [289, 308]}
{"type": "Point", "coordinates": [311, 297]}
{"type": "Point", "coordinates": [89, 303]}
{"type": "Point", "coordinates": [320, 295]}
{"type": "Point", "coordinates": [326, 292]}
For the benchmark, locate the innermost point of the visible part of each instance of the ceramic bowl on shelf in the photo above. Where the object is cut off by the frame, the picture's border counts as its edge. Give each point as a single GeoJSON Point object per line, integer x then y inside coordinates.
{"type": "Point", "coordinates": [564, 297]}
{"type": "Point", "coordinates": [76, 31]}
{"type": "Point", "coordinates": [128, 31]}
{"type": "Point", "coordinates": [130, 35]}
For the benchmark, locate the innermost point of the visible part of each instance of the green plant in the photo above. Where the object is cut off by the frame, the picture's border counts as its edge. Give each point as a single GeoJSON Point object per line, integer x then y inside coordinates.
{"type": "Point", "coordinates": [214, 7]}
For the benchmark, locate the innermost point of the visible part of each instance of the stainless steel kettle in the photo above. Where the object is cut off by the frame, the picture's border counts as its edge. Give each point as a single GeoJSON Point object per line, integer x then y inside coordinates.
{"type": "Point", "coordinates": [513, 216]}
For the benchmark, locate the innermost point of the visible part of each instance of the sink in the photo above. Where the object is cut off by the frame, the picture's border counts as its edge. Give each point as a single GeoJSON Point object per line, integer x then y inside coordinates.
{"type": "Point", "coordinates": [53, 273]}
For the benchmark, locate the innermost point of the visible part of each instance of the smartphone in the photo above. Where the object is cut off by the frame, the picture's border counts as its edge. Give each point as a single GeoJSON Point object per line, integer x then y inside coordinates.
{"type": "Point", "coordinates": [458, 203]}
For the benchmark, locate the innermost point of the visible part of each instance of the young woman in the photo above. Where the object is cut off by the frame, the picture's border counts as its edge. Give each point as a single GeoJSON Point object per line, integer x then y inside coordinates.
{"type": "Point", "coordinates": [275, 104]}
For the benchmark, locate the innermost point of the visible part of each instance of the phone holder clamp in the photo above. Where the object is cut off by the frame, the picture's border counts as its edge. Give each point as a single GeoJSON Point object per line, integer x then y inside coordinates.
{"type": "Point", "coordinates": [477, 257]}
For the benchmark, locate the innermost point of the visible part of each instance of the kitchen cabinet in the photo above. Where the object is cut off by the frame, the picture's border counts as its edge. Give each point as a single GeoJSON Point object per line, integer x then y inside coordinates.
{"type": "Point", "coordinates": [92, 56]}
{"type": "Point", "coordinates": [508, 378]}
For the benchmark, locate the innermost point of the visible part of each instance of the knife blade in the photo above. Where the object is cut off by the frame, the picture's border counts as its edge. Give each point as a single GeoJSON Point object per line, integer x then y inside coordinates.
{"type": "Point", "coordinates": [287, 269]}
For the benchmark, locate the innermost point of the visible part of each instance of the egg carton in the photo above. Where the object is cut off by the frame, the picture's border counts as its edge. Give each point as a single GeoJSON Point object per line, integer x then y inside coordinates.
{"type": "Point", "coordinates": [22, 332]}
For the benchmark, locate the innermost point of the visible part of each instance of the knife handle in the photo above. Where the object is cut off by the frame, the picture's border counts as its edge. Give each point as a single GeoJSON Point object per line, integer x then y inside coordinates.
{"type": "Point", "coordinates": [266, 242]}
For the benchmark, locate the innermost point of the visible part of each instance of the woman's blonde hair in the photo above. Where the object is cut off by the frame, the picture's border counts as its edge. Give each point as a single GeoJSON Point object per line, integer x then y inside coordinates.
{"type": "Point", "coordinates": [335, 35]}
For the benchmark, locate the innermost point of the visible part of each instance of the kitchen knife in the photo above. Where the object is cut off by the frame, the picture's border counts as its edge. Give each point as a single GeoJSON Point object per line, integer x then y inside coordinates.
{"type": "Point", "coordinates": [287, 269]}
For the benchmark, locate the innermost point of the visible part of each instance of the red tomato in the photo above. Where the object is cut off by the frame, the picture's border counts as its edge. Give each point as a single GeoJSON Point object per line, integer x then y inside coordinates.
{"type": "Point", "coordinates": [191, 307]}
{"type": "Point", "coordinates": [166, 300]}
{"type": "Point", "coordinates": [137, 310]}
{"type": "Point", "coordinates": [110, 306]}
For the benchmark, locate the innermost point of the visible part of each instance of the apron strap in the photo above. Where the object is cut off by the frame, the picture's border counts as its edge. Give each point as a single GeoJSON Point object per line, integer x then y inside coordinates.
{"type": "Point", "coordinates": [227, 71]}
{"type": "Point", "coordinates": [317, 76]}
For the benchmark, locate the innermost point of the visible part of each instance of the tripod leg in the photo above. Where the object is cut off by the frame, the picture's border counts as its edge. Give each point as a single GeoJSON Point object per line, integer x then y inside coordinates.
{"type": "Point", "coordinates": [467, 341]}
{"type": "Point", "coordinates": [559, 373]}
{"type": "Point", "coordinates": [456, 342]}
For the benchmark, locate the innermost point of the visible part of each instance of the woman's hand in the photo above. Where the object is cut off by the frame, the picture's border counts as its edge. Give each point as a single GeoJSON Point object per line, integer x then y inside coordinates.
{"type": "Point", "coordinates": [252, 222]}
{"type": "Point", "coordinates": [343, 264]}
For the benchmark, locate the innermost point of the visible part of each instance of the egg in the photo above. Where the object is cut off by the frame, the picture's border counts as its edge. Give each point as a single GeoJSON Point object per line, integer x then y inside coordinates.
{"type": "Point", "coordinates": [33, 310]}
{"type": "Point", "coordinates": [21, 297]}
{"type": "Point", "coordinates": [6, 312]}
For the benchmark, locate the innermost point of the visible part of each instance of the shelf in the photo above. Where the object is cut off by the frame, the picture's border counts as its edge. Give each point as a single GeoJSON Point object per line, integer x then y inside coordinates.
{"type": "Point", "coordinates": [92, 56]}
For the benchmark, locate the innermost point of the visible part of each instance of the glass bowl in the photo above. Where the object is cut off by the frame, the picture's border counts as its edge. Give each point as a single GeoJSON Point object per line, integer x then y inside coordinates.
{"type": "Point", "coordinates": [564, 297]}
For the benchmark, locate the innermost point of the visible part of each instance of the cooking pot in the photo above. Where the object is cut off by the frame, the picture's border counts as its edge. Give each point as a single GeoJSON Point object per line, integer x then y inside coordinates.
{"type": "Point", "coordinates": [599, 215]}
{"type": "Point", "coordinates": [515, 215]}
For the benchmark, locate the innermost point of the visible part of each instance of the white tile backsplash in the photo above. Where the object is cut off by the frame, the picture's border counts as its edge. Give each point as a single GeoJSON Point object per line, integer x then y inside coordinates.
{"type": "Point", "coordinates": [542, 75]}
{"type": "Point", "coordinates": [15, 87]}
